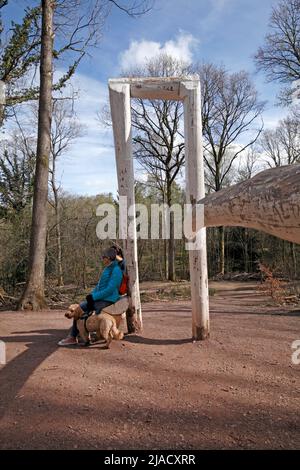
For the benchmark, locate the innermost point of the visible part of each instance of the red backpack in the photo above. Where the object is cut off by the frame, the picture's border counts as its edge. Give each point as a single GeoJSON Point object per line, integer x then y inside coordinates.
{"type": "Point", "coordinates": [123, 289]}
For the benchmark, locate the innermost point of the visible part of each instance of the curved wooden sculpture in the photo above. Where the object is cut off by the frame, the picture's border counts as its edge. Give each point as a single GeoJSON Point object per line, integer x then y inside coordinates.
{"type": "Point", "coordinates": [270, 201]}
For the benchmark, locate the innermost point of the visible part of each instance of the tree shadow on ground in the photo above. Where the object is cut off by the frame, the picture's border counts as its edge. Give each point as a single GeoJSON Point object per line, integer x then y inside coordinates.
{"type": "Point", "coordinates": [16, 372]}
{"type": "Point", "coordinates": [151, 341]}
{"type": "Point", "coordinates": [40, 344]}
{"type": "Point", "coordinates": [290, 313]}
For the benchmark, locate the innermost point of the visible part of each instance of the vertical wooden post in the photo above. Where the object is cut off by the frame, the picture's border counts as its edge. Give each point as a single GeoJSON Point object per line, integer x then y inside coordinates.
{"type": "Point", "coordinates": [119, 94]}
{"type": "Point", "coordinates": [195, 190]}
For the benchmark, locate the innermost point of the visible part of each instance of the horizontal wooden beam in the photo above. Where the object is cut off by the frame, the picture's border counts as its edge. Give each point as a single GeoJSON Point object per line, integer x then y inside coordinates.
{"type": "Point", "coordinates": [157, 88]}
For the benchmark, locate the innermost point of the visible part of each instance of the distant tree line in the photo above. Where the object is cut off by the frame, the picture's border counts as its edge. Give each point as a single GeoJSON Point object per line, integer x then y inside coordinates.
{"type": "Point", "coordinates": [46, 234]}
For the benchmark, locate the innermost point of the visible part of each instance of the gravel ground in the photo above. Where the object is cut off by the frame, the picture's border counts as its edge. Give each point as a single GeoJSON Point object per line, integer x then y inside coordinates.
{"type": "Point", "coordinates": [155, 390]}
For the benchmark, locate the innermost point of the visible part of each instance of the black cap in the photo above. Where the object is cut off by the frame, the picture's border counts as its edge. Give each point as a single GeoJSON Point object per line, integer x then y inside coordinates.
{"type": "Point", "coordinates": [109, 253]}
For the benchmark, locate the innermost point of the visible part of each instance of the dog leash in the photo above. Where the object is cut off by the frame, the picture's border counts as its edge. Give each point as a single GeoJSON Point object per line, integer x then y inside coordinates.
{"type": "Point", "coordinates": [85, 318]}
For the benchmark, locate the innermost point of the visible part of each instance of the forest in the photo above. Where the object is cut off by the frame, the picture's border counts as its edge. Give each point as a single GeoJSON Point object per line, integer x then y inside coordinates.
{"type": "Point", "coordinates": [237, 145]}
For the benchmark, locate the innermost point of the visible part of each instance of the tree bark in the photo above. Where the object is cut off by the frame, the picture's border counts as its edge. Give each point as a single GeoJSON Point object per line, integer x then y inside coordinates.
{"type": "Point", "coordinates": [165, 243]}
{"type": "Point", "coordinates": [294, 260]}
{"type": "Point", "coordinates": [221, 250]}
{"type": "Point", "coordinates": [246, 250]}
{"type": "Point", "coordinates": [171, 246]}
{"type": "Point", "coordinates": [60, 280]}
{"type": "Point", "coordinates": [166, 259]}
{"type": "Point", "coordinates": [171, 241]}
{"type": "Point", "coordinates": [283, 252]}
{"type": "Point", "coordinates": [84, 264]}
{"type": "Point", "coordinates": [2, 101]}
{"type": "Point", "coordinates": [34, 293]}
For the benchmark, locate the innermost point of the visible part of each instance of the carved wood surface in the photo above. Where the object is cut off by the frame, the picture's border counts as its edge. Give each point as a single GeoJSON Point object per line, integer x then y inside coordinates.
{"type": "Point", "coordinates": [270, 201]}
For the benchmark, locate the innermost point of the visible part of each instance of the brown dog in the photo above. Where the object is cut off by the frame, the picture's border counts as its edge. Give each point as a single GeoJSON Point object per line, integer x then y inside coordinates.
{"type": "Point", "coordinates": [105, 325]}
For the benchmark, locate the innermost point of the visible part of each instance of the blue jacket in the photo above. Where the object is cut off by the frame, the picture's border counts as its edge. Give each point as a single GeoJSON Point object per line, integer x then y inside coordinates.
{"type": "Point", "coordinates": [109, 283]}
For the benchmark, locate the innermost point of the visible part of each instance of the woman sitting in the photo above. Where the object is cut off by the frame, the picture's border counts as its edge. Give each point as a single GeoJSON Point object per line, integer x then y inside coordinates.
{"type": "Point", "coordinates": [105, 293]}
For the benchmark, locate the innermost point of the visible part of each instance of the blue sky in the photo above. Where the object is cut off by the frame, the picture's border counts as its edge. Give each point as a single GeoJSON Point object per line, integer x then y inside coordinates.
{"type": "Point", "coordinates": [224, 32]}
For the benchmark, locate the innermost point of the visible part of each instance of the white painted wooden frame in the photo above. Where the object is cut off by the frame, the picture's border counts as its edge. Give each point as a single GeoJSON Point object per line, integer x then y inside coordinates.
{"type": "Point", "coordinates": [188, 91]}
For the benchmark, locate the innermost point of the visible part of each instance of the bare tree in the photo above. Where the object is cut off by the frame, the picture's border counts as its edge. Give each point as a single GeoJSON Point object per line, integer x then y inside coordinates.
{"type": "Point", "coordinates": [135, 9]}
{"type": "Point", "coordinates": [279, 57]}
{"type": "Point", "coordinates": [158, 139]}
{"type": "Point", "coordinates": [20, 55]}
{"type": "Point", "coordinates": [34, 295]}
{"type": "Point", "coordinates": [158, 152]}
{"type": "Point", "coordinates": [249, 165]}
{"type": "Point", "coordinates": [80, 37]}
{"type": "Point", "coordinates": [65, 130]}
{"type": "Point", "coordinates": [17, 161]}
{"type": "Point", "coordinates": [282, 144]}
{"type": "Point", "coordinates": [230, 113]}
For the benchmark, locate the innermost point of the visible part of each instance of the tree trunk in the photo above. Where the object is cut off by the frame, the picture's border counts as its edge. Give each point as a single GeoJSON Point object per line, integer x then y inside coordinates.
{"type": "Point", "coordinates": [165, 241]}
{"type": "Point", "coordinates": [60, 278]}
{"type": "Point", "coordinates": [171, 244]}
{"type": "Point", "coordinates": [221, 251]}
{"type": "Point", "coordinates": [84, 283]}
{"type": "Point", "coordinates": [60, 281]}
{"type": "Point", "coordinates": [34, 293]}
{"type": "Point", "coordinates": [160, 256]}
{"type": "Point", "coordinates": [84, 264]}
{"type": "Point", "coordinates": [246, 250]}
{"type": "Point", "coordinates": [171, 274]}
{"type": "Point", "coordinates": [166, 258]}
{"type": "Point", "coordinates": [294, 260]}
{"type": "Point", "coordinates": [283, 252]}
{"type": "Point", "coordinates": [2, 101]}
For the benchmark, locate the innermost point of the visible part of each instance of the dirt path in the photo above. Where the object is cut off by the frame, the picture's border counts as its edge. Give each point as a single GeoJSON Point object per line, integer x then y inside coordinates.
{"type": "Point", "coordinates": [156, 390]}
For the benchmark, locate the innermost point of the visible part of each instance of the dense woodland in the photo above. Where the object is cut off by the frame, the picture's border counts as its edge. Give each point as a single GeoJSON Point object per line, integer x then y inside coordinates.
{"type": "Point", "coordinates": [81, 249]}
{"type": "Point", "coordinates": [236, 146]}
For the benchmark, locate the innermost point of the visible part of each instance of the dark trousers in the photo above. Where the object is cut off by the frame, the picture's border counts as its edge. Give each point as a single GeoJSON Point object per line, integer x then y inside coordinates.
{"type": "Point", "coordinates": [98, 306]}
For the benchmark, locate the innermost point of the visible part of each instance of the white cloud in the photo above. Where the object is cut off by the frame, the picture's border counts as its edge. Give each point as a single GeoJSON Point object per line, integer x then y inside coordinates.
{"type": "Point", "coordinates": [140, 51]}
